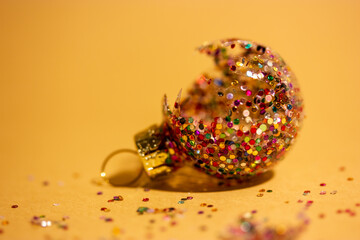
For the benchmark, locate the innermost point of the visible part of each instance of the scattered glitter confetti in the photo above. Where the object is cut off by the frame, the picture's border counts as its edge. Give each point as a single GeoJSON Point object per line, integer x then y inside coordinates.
{"type": "Point", "coordinates": [259, 195]}
{"type": "Point", "coordinates": [309, 203]}
{"type": "Point", "coordinates": [104, 209]}
{"type": "Point", "coordinates": [333, 192]}
{"type": "Point", "coordinates": [42, 221]}
{"type": "Point", "coordinates": [214, 209]}
{"type": "Point", "coordinates": [15, 206]}
{"type": "Point", "coordinates": [99, 193]}
{"type": "Point", "coordinates": [56, 204]}
{"type": "Point", "coordinates": [45, 183]}
{"type": "Point", "coordinates": [189, 198]}
{"type": "Point", "coordinates": [350, 179]}
{"type": "Point", "coordinates": [203, 205]}
{"type": "Point", "coordinates": [322, 192]}
{"type": "Point", "coordinates": [169, 214]}
{"type": "Point", "coordinates": [348, 211]}
{"type": "Point", "coordinates": [200, 212]}
{"type": "Point", "coordinates": [307, 192]}
{"type": "Point", "coordinates": [181, 202]}
{"type": "Point", "coordinates": [143, 210]}
{"type": "Point", "coordinates": [341, 169]}
{"type": "Point", "coordinates": [145, 199]}
{"type": "Point", "coordinates": [116, 198]}
{"type": "Point", "coordinates": [321, 215]}
{"type": "Point", "coordinates": [269, 191]}
{"type": "Point", "coordinates": [322, 184]}
{"type": "Point", "coordinates": [247, 228]}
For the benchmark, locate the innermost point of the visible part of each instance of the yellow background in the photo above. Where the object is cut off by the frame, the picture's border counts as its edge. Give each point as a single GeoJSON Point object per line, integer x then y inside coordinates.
{"type": "Point", "coordinates": [79, 78]}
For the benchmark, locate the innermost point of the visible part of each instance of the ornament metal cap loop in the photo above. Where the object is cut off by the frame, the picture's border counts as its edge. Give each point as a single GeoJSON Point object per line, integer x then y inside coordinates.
{"type": "Point", "coordinates": [151, 151]}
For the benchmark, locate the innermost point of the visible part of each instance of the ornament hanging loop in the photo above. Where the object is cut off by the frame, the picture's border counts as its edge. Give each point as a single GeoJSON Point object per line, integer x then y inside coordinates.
{"type": "Point", "coordinates": [150, 151]}
{"type": "Point", "coordinates": [103, 173]}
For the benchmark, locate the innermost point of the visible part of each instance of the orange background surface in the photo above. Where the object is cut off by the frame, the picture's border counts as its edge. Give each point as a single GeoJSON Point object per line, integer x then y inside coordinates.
{"type": "Point", "coordinates": [79, 78]}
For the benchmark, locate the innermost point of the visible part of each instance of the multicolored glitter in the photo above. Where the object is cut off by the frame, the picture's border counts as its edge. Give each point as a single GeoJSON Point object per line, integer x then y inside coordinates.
{"type": "Point", "coordinates": [306, 192]}
{"type": "Point", "coordinates": [104, 209]}
{"type": "Point", "coordinates": [250, 229]}
{"type": "Point", "coordinates": [42, 221]}
{"type": "Point", "coordinates": [143, 210]}
{"type": "Point", "coordinates": [116, 198]}
{"type": "Point", "coordinates": [246, 132]}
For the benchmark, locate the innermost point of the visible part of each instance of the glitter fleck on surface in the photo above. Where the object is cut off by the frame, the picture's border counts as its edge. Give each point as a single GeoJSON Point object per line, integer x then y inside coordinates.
{"type": "Point", "coordinates": [104, 209]}
{"type": "Point", "coordinates": [306, 192]}
{"type": "Point", "coordinates": [44, 222]}
{"type": "Point", "coordinates": [116, 198]}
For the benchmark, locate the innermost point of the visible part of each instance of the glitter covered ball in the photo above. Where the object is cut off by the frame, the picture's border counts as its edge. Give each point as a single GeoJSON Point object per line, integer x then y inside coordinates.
{"type": "Point", "coordinates": [239, 120]}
